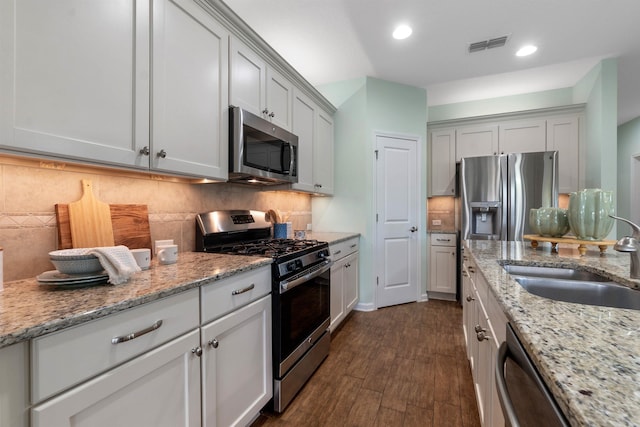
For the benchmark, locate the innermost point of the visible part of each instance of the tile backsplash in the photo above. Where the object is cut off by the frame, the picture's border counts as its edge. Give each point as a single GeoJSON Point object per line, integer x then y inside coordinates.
{"type": "Point", "coordinates": [29, 189]}
{"type": "Point", "coordinates": [441, 209]}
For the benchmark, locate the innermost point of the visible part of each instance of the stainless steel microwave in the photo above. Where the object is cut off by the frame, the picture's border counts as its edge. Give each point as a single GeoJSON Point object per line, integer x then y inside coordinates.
{"type": "Point", "coordinates": [259, 151]}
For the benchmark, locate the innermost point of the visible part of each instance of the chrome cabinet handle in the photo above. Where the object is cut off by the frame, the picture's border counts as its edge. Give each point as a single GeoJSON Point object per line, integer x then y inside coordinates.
{"type": "Point", "coordinates": [243, 290]}
{"type": "Point", "coordinates": [413, 229]}
{"type": "Point", "coordinates": [214, 343]}
{"type": "Point", "coordinates": [197, 351]}
{"type": "Point", "coordinates": [470, 298]}
{"type": "Point", "coordinates": [317, 185]}
{"type": "Point", "coordinates": [479, 328]}
{"type": "Point", "coordinates": [272, 114]}
{"type": "Point", "coordinates": [144, 151]}
{"type": "Point", "coordinates": [265, 111]}
{"type": "Point", "coordinates": [353, 246]}
{"type": "Point", "coordinates": [443, 240]}
{"type": "Point", "coordinates": [134, 335]}
{"type": "Point", "coordinates": [337, 252]}
{"type": "Point", "coordinates": [162, 154]}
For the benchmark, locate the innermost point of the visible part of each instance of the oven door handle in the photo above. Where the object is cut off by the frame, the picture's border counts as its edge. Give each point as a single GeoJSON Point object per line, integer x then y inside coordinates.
{"type": "Point", "coordinates": [286, 285]}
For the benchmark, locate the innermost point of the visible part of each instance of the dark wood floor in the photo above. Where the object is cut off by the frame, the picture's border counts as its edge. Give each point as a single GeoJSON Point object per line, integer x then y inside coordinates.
{"type": "Point", "coordinates": [397, 366]}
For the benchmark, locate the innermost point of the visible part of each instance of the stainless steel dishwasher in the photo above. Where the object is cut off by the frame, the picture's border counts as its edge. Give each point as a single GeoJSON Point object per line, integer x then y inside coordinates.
{"type": "Point", "coordinates": [524, 397]}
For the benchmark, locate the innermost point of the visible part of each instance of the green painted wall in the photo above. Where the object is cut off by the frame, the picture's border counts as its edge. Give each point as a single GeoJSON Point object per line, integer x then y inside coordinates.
{"type": "Point", "coordinates": [365, 106]}
{"type": "Point", "coordinates": [628, 150]}
{"type": "Point", "coordinates": [504, 104]}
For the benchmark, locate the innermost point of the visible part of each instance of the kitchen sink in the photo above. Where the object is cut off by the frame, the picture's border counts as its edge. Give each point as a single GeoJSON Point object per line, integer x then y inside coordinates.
{"type": "Point", "coordinates": [577, 286]}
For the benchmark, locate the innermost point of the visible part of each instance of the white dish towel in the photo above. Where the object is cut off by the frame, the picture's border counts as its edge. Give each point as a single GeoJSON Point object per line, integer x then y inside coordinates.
{"type": "Point", "coordinates": [118, 262]}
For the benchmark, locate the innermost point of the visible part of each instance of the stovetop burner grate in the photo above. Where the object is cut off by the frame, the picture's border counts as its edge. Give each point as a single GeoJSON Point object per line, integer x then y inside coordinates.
{"type": "Point", "coordinates": [267, 247]}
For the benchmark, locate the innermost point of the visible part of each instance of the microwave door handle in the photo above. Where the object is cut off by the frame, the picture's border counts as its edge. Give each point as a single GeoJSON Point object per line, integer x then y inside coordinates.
{"type": "Point", "coordinates": [292, 158]}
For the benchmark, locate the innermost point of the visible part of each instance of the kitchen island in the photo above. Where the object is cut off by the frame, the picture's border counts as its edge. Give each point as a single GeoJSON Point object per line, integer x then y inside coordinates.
{"type": "Point", "coordinates": [589, 356]}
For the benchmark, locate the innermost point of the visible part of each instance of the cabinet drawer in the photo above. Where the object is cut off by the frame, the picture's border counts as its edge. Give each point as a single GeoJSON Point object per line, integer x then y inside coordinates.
{"type": "Point", "coordinates": [442, 239]}
{"type": "Point", "coordinates": [224, 296]}
{"type": "Point", "coordinates": [66, 358]}
{"type": "Point", "coordinates": [342, 249]}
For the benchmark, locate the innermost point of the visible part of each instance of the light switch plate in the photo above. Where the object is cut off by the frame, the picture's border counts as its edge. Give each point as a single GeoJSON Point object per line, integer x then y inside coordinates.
{"type": "Point", "coordinates": [436, 222]}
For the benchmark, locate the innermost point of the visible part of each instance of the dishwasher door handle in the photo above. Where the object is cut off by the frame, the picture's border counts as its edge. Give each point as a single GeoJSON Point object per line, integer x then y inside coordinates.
{"type": "Point", "coordinates": [501, 386]}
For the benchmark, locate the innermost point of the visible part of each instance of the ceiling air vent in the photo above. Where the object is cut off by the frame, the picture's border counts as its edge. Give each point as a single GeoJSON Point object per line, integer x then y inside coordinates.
{"type": "Point", "coordinates": [487, 44]}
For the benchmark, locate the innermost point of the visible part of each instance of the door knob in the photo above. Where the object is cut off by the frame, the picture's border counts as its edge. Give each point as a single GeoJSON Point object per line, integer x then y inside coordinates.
{"type": "Point", "coordinates": [413, 229]}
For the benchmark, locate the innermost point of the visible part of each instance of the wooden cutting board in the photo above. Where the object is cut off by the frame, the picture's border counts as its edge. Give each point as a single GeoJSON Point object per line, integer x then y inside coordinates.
{"type": "Point", "coordinates": [90, 220]}
{"type": "Point", "coordinates": [130, 226]}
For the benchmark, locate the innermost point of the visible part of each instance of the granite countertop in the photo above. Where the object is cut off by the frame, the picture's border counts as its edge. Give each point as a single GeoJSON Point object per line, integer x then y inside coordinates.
{"type": "Point", "coordinates": [330, 237]}
{"type": "Point", "coordinates": [29, 309]}
{"type": "Point", "coordinates": [588, 356]}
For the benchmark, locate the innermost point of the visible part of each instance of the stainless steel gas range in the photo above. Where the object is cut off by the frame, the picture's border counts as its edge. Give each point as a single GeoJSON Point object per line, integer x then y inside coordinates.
{"type": "Point", "coordinates": [300, 292]}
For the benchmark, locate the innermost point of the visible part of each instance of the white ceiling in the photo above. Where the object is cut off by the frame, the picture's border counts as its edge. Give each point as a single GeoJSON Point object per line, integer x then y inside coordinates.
{"type": "Point", "coordinates": [334, 40]}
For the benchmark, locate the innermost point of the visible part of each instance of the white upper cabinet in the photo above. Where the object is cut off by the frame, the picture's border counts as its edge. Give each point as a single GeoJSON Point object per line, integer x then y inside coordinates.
{"type": "Point", "coordinates": [443, 163]}
{"type": "Point", "coordinates": [190, 91]}
{"type": "Point", "coordinates": [80, 84]}
{"type": "Point", "coordinates": [257, 87]}
{"type": "Point", "coordinates": [474, 141]}
{"type": "Point", "coordinates": [279, 99]}
{"type": "Point", "coordinates": [75, 78]}
{"type": "Point", "coordinates": [522, 137]}
{"type": "Point", "coordinates": [323, 155]}
{"type": "Point", "coordinates": [304, 126]}
{"type": "Point", "coordinates": [563, 135]}
{"type": "Point", "coordinates": [247, 79]}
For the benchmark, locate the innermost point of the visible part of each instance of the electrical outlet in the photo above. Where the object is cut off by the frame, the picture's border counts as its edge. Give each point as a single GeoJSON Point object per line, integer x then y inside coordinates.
{"type": "Point", "coordinates": [436, 222]}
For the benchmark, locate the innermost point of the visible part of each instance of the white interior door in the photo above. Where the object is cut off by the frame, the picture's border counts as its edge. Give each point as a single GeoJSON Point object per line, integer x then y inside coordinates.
{"type": "Point", "coordinates": [397, 220]}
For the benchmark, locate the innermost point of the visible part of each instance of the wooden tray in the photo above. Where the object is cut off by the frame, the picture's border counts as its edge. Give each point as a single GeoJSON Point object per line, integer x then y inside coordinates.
{"type": "Point", "coordinates": [582, 244]}
{"type": "Point", "coordinates": [130, 226]}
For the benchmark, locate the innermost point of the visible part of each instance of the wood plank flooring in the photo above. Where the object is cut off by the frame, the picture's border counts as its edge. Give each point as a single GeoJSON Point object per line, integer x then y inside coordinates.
{"type": "Point", "coordinates": [398, 366]}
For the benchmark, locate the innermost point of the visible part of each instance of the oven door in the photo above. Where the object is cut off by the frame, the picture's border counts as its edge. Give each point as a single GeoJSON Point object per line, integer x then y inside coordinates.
{"type": "Point", "coordinates": [300, 316]}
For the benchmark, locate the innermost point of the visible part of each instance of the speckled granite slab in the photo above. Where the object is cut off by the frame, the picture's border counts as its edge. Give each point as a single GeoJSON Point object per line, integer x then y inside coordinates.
{"type": "Point", "coordinates": [330, 237]}
{"type": "Point", "coordinates": [28, 309]}
{"type": "Point", "coordinates": [589, 356]}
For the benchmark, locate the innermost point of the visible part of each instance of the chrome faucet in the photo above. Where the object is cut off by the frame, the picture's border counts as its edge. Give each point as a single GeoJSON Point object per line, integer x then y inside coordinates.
{"type": "Point", "coordinates": [630, 244]}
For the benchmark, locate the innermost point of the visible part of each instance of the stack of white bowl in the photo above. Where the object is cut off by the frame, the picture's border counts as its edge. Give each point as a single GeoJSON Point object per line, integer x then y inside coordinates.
{"type": "Point", "coordinates": [75, 261]}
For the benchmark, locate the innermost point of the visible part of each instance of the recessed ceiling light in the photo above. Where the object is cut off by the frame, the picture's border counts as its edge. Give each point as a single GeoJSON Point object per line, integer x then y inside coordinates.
{"type": "Point", "coordinates": [526, 50]}
{"type": "Point", "coordinates": [402, 32]}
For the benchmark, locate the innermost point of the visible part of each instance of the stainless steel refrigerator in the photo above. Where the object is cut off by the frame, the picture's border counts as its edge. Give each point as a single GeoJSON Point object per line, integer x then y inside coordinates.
{"type": "Point", "coordinates": [497, 192]}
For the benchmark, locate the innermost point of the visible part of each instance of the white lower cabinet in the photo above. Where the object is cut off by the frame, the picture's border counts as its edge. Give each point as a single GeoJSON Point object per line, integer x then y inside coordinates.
{"type": "Point", "coordinates": [344, 280]}
{"type": "Point", "coordinates": [484, 326]}
{"type": "Point", "coordinates": [442, 266]}
{"type": "Point", "coordinates": [159, 388]}
{"type": "Point", "coordinates": [237, 378]}
{"type": "Point", "coordinates": [14, 385]}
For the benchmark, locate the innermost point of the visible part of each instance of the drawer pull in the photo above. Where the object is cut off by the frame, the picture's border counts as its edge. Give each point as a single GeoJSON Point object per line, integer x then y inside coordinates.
{"type": "Point", "coordinates": [443, 240]}
{"type": "Point", "coordinates": [353, 246]}
{"type": "Point", "coordinates": [337, 252]}
{"type": "Point", "coordinates": [243, 290]}
{"type": "Point", "coordinates": [134, 335]}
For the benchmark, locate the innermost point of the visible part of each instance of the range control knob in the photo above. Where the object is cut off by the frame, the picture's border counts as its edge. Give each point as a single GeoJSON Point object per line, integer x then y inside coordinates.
{"type": "Point", "coordinates": [323, 254]}
{"type": "Point", "coordinates": [291, 266]}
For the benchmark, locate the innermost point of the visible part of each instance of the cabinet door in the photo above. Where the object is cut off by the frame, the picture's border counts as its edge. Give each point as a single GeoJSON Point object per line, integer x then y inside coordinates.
{"type": "Point", "coordinates": [190, 91]}
{"type": "Point", "coordinates": [443, 162]}
{"type": "Point", "coordinates": [304, 126]}
{"type": "Point", "coordinates": [14, 387]}
{"type": "Point", "coordinates": [475, 141]}
{"type": "Point", "coordinates": [279, 99]}
{"type": "Point", "coordinates": [323, 154]}
{"type": "Point", "coordinates": [443, 269]}
{"type": "Point", "coordinates": [563, 135]}
{"type": "Point", "coordinates": [337, 304]}
{"type": "Point", "coordinates": [237, 376]}
{"type": "Point", "coordinates": [351, 282]}
{"type": "Point", "coordinates": [248, 74]}
{"type": "Point", "coordinates": [523, 137]}
{"type": "Point", "coordinates": [75, 79]}
{"type": "Point", "coordinates": [159, 388]}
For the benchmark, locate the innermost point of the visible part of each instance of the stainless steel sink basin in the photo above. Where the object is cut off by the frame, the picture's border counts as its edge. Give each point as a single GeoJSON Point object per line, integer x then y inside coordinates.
{"type": "Point", "coordinates": [577, 286]}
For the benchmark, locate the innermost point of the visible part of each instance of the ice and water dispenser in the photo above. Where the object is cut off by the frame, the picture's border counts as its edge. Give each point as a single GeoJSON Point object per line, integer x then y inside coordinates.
{"type": "Point", "coordinates": [485, 220]}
